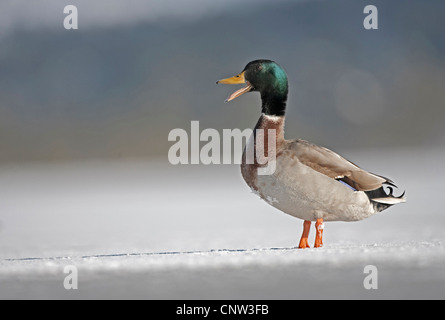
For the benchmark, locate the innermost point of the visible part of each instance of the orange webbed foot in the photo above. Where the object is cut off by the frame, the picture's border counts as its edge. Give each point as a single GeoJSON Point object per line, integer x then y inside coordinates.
{"type": "Point", "coordinates": [319, 226]}
{"type": "Point", "coordinates": [304, 243]}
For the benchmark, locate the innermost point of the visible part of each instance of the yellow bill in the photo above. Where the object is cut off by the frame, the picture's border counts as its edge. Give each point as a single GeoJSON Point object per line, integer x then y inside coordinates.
{"type": "Point", "coordinates": [238, 79]}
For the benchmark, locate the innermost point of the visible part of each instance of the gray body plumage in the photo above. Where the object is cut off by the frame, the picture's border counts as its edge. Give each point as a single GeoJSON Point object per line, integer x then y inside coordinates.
{"type": "Point", "coordinates": [312, 182]}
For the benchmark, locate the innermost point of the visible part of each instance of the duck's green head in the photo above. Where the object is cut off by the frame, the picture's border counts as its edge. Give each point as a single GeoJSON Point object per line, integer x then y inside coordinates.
{"type": "Point", "coordinates": [266, 77]}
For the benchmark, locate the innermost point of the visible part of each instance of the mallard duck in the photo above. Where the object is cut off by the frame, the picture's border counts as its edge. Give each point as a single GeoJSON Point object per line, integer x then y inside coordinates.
{"type": "Point", "coordinates": [309, 182]}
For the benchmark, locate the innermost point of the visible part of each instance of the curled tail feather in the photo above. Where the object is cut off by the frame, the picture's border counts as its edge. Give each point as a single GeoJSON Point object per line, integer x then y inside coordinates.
{"type": "Point", "coordinates": [382, 200]}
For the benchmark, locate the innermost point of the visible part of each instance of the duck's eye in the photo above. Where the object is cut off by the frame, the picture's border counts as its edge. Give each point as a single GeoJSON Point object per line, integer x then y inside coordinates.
{"type": "Point", "coordinates": [259, 67]}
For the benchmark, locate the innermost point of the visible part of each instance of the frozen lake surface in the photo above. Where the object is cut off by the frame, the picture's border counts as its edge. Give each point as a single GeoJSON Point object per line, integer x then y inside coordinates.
{"type": "Point", "coordinates": [156, 231]}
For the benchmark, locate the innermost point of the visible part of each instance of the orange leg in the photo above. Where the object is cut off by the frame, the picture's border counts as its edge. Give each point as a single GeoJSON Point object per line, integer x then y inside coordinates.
{"type": "Point", "coordinates": [304, 237]}
{"type": "Point", "coordinates": [319, 235]}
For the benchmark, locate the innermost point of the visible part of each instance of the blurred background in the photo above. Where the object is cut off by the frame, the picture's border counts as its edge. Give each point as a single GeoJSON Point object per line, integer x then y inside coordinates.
{"type": "Point", "coordinates": [134, 70]}
{"type": "Point", "coordinates": [85, 116]}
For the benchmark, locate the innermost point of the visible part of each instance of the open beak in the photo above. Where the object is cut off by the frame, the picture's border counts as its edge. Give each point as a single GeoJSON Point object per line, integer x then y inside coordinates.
{"type": "Point", "coordinates": [239, 79]}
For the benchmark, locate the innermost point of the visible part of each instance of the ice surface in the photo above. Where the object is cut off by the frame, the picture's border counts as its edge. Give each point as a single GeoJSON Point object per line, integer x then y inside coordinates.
{"type": "Point", "coordinates": [152, 230]}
